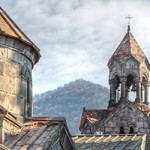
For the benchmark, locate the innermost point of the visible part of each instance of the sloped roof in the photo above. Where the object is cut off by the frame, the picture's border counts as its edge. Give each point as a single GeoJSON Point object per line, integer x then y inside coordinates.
{"type": "Point", "coordinates": [9, 28]}
{"type": "Point", "coordinates": [127, 48]}
{"type": "Point", "coordinates": [39, 133]}
{"type": "Point", "coordinates": [3, 147]}
{"type": "Point", "coordinates": [109, 142]}
{"type": "Point", "coordinates": [93, 115]}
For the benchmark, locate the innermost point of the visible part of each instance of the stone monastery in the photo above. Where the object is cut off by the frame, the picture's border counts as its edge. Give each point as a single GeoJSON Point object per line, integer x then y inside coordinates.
{"type": "Point", "coordinates": [124, 125]}
{"type": "Point", "coordinates": [128, 72]}
{"type": "Point", "coordinates": [128, 69]}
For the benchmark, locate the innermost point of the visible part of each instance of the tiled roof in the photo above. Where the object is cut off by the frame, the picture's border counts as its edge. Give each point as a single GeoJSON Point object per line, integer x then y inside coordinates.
{"type": "Point", "coordinates": [144, 109]}
{"type": "Point", "coordinates": [9, 28]}
{"type": "Point", "coordinates": [127, 48]}
{"type": "Point", "coordinates": [109, 142]}
{"type": "Point", "coordinates": [93, 115]}
{"type": "Point", "coordinates": [39, 132]}
{"type": "Point", "coordinates": [3, 147]}
{"type": "Point", "coordinates": [96, 116]}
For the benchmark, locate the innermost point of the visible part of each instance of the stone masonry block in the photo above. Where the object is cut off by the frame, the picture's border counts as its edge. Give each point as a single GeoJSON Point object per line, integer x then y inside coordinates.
{"type": "Point", "coordinates": [3, 52]}
{"type": "Point", "coordinates": [15, 57]}
{"type": "Point", "coordinates": [7, 84]}
{"type": "Point", "coordinates": [11, 71]}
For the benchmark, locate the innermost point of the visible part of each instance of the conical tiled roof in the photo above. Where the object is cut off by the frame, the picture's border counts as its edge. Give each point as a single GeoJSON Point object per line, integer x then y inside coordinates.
{"type": "Point", "coordinates": [9, 28]}
{"type": "Point", "coordinates": [127, 48]}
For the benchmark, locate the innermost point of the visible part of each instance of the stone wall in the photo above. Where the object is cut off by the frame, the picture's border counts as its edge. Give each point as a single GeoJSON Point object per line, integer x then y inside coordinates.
{"type": "Point", "coordinates": [9, 129]}
{"type": "Point", "coordinates": [16, 62]}
{"type": "Point", "coordinates": [125, 117]}
{"type": "Point", "coordinates": [130, 66]}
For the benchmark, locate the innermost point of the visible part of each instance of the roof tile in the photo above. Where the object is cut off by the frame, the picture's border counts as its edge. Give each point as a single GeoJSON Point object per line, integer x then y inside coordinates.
{"type": "Point", "coordinates": [34, 136]}
{"type": "Point", "coordinates": [127, 48]}
{"type": "Point", "coordinates": [115, 142]}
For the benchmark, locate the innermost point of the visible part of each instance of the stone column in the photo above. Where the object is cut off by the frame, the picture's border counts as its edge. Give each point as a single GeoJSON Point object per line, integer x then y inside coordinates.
{"type": "Point", "coordinates": [146, 98]}
{"type": "Point", "coordinates": [112, 93]}
{"type": "Point", "coordinates": [142, 89]}
{"type": "Point", "coordinates": [127, 93]}
{"type": "Point", "coordinates": [138, 91]}
{"type": "Point", "coordinates": [123, 88]}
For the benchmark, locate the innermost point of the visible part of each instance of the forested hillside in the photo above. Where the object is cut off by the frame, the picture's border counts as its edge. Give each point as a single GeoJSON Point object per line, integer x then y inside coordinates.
{"type": "Point", "coordinates": [68, 101]}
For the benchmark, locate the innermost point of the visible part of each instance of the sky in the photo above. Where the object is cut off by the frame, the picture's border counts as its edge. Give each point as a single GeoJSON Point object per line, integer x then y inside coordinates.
{"type": "Point", "coordinates": [77, 37]}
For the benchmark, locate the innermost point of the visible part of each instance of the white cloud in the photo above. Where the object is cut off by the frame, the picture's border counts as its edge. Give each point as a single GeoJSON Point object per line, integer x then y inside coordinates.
{"type": "Point", "coordinates": [77, 37]}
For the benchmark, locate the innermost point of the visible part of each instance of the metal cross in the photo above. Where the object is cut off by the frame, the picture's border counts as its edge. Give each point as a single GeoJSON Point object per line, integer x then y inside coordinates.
{"type": "Point", "coordinates": [129, 18]}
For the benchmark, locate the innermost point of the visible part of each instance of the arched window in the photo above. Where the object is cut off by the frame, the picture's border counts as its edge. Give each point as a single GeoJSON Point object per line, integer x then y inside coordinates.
{"type": "Point", "coordinates": [117, 88]}
{"type": "Point", "coordinates": [131, 130]}
{"type": "Point", "coordinates": [28, 89]}
{"type": "Point", "coordinates": [28, 100]}
{"type": "Point", "coordinates": [121, 130]}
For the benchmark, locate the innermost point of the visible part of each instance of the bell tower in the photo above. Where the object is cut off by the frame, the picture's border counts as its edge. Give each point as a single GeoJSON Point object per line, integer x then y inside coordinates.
{"type": "Point", "coordinates": [128, 71]}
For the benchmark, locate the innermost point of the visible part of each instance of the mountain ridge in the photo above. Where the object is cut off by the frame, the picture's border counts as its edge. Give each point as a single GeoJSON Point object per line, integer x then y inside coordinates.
{"type": "Point", "coordinates": [68, 101]}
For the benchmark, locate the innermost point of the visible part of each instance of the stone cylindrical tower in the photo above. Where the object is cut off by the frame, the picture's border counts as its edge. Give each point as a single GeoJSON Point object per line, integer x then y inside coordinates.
{"type": "Point", "coordinates": [18, 55]}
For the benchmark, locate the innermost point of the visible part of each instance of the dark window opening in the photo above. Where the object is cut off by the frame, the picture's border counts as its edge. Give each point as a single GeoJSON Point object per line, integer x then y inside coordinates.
{"type": "Point", "coordinates": [27, 109]}
{"type": "Point", "coordinates": [131, 130]}
{"type": "Point", "coordinates": [28, 90]}
{"type": "Point", "coordinates": [100, 115]}
{"type": "Point", "coordinates": [121, 130]}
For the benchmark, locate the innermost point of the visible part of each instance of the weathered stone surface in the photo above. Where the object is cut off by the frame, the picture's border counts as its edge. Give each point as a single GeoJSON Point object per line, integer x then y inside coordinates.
{"type": "Point", "coordinates": [20, 106]}
{"type": "Point", "coordinates": [3, 52]}
{"type": "Point", "coordinates": [3, 101]}
{"type": "Point", "coordinates": [11, 71]}
{"type": "Point", "coordinates": [3, 39]}
{"type": "Point", "coordinates": [15, 67]}
{"type": "Point", "coordinates": [11, 102]}
{"type": "Point", "coordinates": [17, 86]}
{"type": "Point", "coordinates": [23, 89]}
{"type": "Point", "coordinates": [124, 119]}
{"type": "Point", "coordinates": [10, 42]}
{"type": "Point", "coordinates": [1, 68]}
{"type": "Point", "coordinates": [7, 84]}
{"type": "Point", "coordinates": [14, 56]}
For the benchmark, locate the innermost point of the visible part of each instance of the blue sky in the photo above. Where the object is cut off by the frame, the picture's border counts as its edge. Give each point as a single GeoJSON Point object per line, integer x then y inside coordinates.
{"type": "Point", "coordinates": [77, 37]}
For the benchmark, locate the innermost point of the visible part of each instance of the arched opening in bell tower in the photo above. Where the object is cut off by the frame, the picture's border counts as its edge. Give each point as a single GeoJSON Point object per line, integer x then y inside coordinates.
{"type": "Point", "coordinates": [130, 88]}
{"type": "Point", "coordinates": [144, 90]}
{"type": "Point", "coordinates": [117, 88]}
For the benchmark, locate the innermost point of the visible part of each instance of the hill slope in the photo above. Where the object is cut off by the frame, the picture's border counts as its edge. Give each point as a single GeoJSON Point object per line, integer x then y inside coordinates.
{"type": "Point", "coordinates": [68, 101]}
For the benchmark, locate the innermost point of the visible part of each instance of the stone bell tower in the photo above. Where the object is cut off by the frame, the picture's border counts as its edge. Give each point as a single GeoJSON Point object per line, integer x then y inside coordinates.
{"type": "Point", "coordinates": [128, 70]}
{"type": "Point", "coordinates": [128, 77]}
{"type": "Point", "coordinates": [18, 55]}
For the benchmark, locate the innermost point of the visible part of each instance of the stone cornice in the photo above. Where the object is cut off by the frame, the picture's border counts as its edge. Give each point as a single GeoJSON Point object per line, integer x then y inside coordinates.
{"type": "Point", "coordinates": [21, 47]}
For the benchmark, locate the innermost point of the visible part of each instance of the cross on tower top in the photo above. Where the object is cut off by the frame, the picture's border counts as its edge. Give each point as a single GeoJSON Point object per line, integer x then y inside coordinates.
{"type": "Point", "coordinates": [128, 21]}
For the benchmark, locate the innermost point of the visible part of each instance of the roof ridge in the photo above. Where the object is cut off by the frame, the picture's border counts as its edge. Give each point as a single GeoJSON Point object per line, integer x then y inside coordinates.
{"type": "Point", "coordinates": [129, 33]}
{"type": "Point", "coordinates": [4, 12]}
{"type": "Point", "coordinates": [10, 25]}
